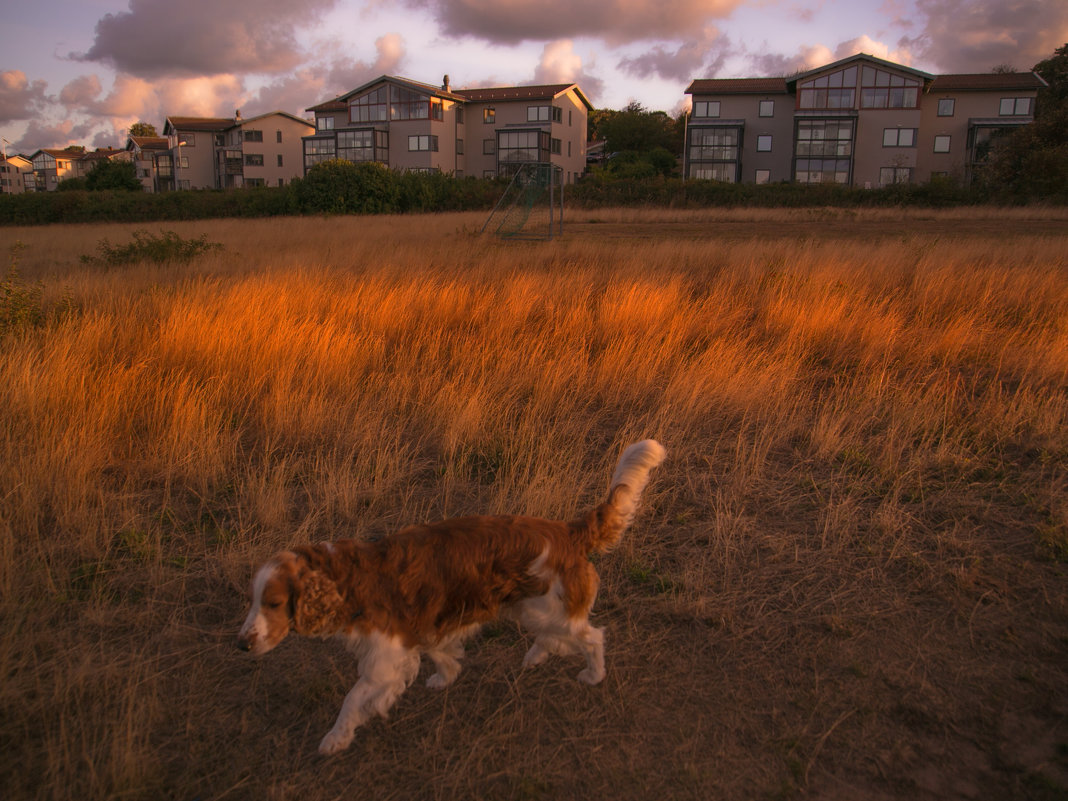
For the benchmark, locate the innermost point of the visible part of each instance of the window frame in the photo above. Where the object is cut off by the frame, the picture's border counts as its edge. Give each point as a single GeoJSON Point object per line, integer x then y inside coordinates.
{"type": "Point", "coordinates": [897, 132]}
{"type": "Point", "coordinates": [946, 139]}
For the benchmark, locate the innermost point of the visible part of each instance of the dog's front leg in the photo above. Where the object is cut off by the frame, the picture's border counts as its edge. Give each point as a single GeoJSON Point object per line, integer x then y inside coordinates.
{"type": "Point", "coordinates": [385, 672]}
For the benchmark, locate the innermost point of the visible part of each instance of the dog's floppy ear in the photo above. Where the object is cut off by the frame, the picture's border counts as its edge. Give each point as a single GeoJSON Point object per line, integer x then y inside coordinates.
{"type": "Point", "coordinates": [316, 604]}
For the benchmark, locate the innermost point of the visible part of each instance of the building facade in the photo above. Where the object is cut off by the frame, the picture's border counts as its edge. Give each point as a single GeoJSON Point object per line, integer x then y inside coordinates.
{"type": "Point", "coordinates": [225, 153]}
{"type": "Point", "coordinates": [14, 170]}
{"type": "Point", "coordinates": [860, 121]}
{"type": "Point", "coordinates": [408, 125]}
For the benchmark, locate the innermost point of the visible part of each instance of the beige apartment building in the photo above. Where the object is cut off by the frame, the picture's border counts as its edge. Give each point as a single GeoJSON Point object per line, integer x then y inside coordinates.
{"type": "Point", "coordinates": [860, 121]}
{"type": "Point", "coordinates": [14, 170]}
{"type": "Point", "coordinates": [408, 125]}
{"type": "Point", "coordinates": [224, 153]}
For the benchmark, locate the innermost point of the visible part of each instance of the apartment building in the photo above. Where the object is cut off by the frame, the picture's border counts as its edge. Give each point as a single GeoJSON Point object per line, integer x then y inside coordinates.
{"type": "Point", "coordinates": [230, 152]}
{"type": "Point", "coordinates": [14, 170]}
{"type": "Point", "coordinates": [860, 121]}
{"type": "Point", "coordinates": [408, 125]}
{"type": "Point", "coordinates": [52, 165]}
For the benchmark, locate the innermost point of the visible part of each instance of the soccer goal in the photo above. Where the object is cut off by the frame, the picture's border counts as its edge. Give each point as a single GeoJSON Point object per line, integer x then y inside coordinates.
{"type": "Point", "coordinates": [532, 206]}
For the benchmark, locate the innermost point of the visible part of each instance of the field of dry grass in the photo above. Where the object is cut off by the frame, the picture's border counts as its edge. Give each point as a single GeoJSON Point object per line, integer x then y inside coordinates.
{"type": "Point", "coordinates": [849, 580]}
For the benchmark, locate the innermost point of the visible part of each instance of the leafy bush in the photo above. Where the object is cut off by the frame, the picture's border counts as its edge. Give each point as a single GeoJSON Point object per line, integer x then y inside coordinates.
{"type": "Point", "coordinates": [108, 174]}
{"type": "Point", "coordinates": [342, 187]}
{"type": "Point", "coordinates": [167, 247]}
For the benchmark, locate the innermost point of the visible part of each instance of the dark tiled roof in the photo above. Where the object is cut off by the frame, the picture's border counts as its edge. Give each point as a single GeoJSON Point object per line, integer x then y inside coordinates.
{"type": "Point", "coordinates": [104, 153]}
{"type": "Point", "coordinates": [544, 92]}
{"type": "Point", "coordinates": [987, 81]}
{"type": "Point", "coordinates": [737, 86]}
{"type": "Point", "coordinates": [337, 104]}
{"type": "Point", "coordinates": [151, 142]}
{"type": "Point", "coordinates": [200, 123]}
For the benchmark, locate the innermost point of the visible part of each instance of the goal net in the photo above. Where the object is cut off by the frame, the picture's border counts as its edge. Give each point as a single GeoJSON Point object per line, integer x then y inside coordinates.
{"type": "Point", "coordinates": [532, 206]}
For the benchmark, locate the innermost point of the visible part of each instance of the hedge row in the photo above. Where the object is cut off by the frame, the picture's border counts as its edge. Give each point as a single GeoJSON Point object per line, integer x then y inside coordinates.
{"type": "Point", "coordinates": [340, 187]}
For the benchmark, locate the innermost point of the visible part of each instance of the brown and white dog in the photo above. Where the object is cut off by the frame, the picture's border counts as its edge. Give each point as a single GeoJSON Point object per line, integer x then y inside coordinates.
{"type": "Point", "coordinates": [427, 587]}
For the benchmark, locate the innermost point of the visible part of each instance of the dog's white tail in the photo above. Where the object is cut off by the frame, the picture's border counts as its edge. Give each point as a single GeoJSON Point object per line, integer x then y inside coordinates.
{"type": "Point", "coordinates": [606, 524]}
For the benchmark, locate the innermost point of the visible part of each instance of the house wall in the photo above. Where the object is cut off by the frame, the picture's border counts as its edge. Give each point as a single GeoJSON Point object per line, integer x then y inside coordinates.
{"type": "Point", "coordinates": [967, 105]}
{"type": "Point", "coordinates": [871, 155]}
{"type": "Point", "coordinates": [12, 175]}
{"type": "Point", "coordinates": [199, 151]}
{"type": "Point", "coordinates": [281, 142]}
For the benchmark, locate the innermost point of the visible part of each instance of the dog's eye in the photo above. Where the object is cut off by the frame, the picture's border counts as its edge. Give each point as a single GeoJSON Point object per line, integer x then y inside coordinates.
{"type": "Point", "coordinates": [272, 604]}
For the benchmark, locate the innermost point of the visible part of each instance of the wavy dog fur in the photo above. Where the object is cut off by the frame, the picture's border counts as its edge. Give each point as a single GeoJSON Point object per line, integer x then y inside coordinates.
{"type": "Point", "coordinates": [427, 587]}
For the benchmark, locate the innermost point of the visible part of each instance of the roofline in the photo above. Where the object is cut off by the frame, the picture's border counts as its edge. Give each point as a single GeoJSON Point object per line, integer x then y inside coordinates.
{"type": "Point", "coordinates": [926, 76]}
{"type": "Point", "coordinates": [294, 117]}
{"type": "Point", "coordinates": [439, 92]}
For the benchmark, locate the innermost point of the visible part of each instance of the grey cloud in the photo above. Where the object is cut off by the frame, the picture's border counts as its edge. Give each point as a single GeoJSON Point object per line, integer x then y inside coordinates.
{"type": "Point", "coordinates": [20, 98]}
{"type": "Point", "coordinates": [316, 83]}
{"type": "Point", "coordinates": [699, 57]}
{"type": "Point", "coordinates": [615, 21]}
{"type": "Point", "coordinates": [203, 37]}
{"type": "Point", "coordinates": [41, 135]}
{"type": "Point", "coordinates": [977, 35]}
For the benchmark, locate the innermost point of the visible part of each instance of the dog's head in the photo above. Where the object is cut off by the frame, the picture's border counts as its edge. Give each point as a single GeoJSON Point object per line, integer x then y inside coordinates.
{"type": "Point", "coordinates": [287, 594]}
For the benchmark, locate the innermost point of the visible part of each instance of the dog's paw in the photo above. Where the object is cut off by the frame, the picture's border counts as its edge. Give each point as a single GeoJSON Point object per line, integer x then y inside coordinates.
{"type": "Point", "coordinates": [334, 742]}
{"type": "Point", "coordinates": [590, 677]}
{"type": "Point", "coordinates": [439, 682]}
{"type": "Point", "coordinates": [535, 656]}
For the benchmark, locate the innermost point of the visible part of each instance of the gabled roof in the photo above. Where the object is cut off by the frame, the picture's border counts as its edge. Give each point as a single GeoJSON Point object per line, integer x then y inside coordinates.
{"type": "Point", "coordinates": [286, 114]}
{"type": "Point", "coordinates": [737, 86]}
{"type": "Point", "coordinates": [148, 143]}
{"type": "Point", "coordinates": [340, 103]}
{"type": "Point", "coordinates": [61, 153]}
{"type": "Point", "coordinates": [198, 124]}
{"type": "Point", "coordinates": [878, 62]}
{"type": "Point", "coordinates": [484, 95]}
{"type": "Point", "coordinates": [988, 81]}
{"type": "Point", "coordinates": [102, 153]}
{"type": "Point", "coordinates": [503, 93]}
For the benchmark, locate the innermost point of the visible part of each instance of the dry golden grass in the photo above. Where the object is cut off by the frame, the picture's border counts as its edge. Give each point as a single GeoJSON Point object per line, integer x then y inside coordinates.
{"type": "Point", "coordinates": [847, 581]}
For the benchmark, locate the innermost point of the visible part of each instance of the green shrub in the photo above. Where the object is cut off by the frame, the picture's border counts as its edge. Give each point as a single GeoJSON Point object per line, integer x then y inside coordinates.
{"type": "Point", "coordinates": [167, 247]}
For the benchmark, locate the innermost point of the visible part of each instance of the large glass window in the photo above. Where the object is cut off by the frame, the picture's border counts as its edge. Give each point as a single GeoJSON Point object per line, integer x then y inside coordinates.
{"type": "Point", "coordinates": [713, 153]}
{"type": "Point", "coordinates": [356, 145]}
{"type": "Point", "coordinates": [318, 150]}
{"type": "Point", "coordinates": [371, 107]}
{"type": "Point", "coordinates": [825, 138]}
{"type": "Point", "coordinates": [824, 151]}
{"type": "Point", "coordinates": [520, 146]}
{"type": "Point", "coordinates": [406, 104]}
{"type": "Point", "coordinates": [882, 89]}
{"type": "Point", "coordinates": [544, 114]}
{"type": "Point", "coordinates": [835, 90]}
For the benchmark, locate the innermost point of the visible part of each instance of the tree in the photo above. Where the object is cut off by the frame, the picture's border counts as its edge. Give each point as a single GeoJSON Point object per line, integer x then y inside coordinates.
{"type": "Point", "coordinates": [108, 174]}
{"type": "Point", "coordinates": [1032, 161]}
{"type": "Point", "coordinates": [143, 129]}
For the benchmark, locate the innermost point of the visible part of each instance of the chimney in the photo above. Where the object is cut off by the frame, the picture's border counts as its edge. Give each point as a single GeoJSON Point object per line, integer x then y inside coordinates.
{"type": "Point", "coordinates": [445, 83]}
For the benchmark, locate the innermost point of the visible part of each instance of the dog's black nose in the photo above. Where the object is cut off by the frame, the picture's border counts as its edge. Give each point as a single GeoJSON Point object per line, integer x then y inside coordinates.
{"type": "Point", "coordinates": [243, 644]}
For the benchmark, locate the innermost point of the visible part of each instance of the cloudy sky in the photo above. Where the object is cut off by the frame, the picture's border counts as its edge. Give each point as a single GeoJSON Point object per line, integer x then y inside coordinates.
{"type": "Point", "coordinates": [82, 71]}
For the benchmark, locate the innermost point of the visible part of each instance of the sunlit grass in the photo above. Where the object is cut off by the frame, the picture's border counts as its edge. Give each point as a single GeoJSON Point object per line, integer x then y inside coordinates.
{"type": "Point", "coordinates": [846, 407]}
